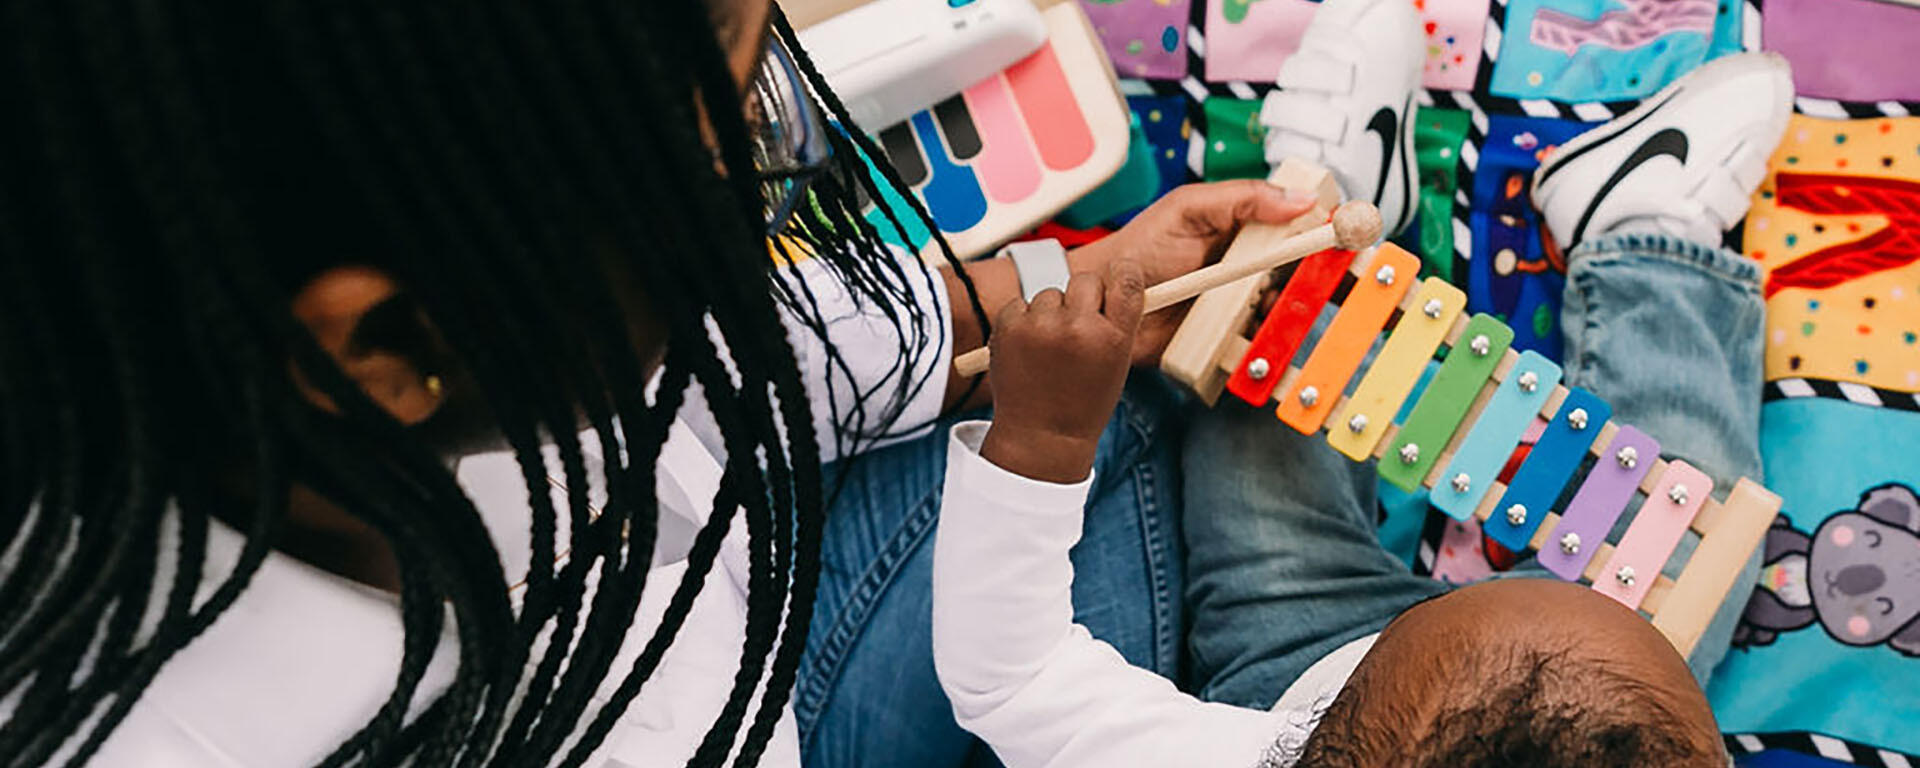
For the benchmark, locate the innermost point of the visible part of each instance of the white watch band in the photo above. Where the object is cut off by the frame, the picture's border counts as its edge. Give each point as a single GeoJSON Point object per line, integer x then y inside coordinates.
{"type": "Point", "coordinates": [1041, 264]}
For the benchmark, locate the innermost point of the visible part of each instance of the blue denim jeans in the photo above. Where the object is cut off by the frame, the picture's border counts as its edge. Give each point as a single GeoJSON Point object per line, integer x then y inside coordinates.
{"type": "Point", "coordinates": [1284, 562]}
{"type": "Point", "coordinates": [867, 694]}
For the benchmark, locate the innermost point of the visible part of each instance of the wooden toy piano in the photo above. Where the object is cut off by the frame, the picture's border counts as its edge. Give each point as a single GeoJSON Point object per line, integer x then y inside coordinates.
{"type": "Point", "coordinates": [1461, 430]}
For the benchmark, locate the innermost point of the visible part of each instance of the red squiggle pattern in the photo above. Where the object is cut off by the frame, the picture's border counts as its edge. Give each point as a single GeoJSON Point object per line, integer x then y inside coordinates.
{"type": "Point", "coordinates": [1895, 245]}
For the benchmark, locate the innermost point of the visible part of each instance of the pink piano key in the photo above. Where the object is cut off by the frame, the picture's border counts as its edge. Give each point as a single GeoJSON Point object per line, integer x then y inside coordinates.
{"type": "Point", "coordinates": [1008, 167]}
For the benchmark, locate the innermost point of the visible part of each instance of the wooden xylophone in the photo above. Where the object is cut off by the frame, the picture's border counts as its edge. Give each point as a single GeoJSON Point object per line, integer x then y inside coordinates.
{"type": "Point", "coordinates": [1459, 433]}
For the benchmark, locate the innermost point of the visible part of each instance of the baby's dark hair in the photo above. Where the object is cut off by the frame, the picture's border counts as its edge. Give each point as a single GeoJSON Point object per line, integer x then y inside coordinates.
{"type": "Point", "coordinates": [1538, 708]}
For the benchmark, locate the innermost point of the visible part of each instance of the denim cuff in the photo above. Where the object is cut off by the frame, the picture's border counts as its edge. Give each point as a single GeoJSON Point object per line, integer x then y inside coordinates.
{"type": "Point", "coordinates": [1714, 260]}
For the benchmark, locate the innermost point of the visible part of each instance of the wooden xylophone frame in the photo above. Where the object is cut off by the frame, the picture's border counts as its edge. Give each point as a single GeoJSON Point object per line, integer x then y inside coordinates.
{"type": "Point", "coordinates": [1211, 345]}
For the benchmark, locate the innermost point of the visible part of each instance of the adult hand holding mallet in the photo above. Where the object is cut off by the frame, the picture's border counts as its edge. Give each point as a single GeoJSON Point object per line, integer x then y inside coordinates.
{"type": "Point", "coordinates": [1355, 225]}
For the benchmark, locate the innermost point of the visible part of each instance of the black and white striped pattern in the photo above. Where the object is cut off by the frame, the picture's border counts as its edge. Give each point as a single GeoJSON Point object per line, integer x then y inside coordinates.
{"type": "Point", "coordinates": [1480, 101]}
{"type": "Point", "coordinates": [1837, 750]}
{"type": "Point", "coordinates": [1860, 394]}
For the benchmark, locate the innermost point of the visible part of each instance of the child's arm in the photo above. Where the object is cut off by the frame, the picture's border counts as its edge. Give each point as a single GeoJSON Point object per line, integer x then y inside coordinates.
{"type": "Point", "coordinates": [1021, 675]}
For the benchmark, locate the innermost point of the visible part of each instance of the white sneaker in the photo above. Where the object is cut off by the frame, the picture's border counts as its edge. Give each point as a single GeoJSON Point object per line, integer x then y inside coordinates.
{"type": "Point", "coordinates": [1346, 102]}
{"type": "Point", "coordinates": [1685, 162]}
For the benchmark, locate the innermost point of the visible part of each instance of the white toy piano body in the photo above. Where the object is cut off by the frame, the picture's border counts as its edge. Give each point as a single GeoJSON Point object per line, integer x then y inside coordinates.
{"type": "Point", "coordinates": [888, 59]}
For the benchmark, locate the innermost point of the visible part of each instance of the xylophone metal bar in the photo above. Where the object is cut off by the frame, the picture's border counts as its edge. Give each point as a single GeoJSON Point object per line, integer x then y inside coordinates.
{"type": "Point", "coordinates": [1729, 530]}
{"type": "Point", "coordinates": [1286, 325]}
{"type": "Point", "coordinates": [1484, 448]}
{"type": "Point", "coordinates": [1370, 409]}
{"type": "Point", "coordinates": [1218, 318]}
{"type": "Point", "coordinates": [1307, 400]}
{"type": "Point", "coordinates": [1416, 445]}
{"type": "Point", "coordinates": [1657, 529]}
{"type": "Point", "coordinates": [1549, 468]}
{"type": "Point", "coordinates": [1603, 496]}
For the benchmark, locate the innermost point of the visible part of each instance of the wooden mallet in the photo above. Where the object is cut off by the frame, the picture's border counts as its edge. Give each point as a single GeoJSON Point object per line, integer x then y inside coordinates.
{"type": "Point", "coordinates": [1355, 225]}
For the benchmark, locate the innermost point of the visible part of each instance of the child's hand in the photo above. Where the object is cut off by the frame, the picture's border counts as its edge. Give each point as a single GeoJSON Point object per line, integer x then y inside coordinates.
{"type": "Point", "coordinates": [1058, 366]}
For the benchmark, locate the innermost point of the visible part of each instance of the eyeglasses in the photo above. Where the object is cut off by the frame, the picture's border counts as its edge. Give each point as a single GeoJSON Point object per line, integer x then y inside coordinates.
{"type": "Point", "coordinates": [789, 135]}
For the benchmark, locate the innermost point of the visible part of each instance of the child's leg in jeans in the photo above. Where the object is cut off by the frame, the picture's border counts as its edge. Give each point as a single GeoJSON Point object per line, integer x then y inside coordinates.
{"type": "Point", "coordinates": [1660, 321]}
{"type": "Point", "coordinates": [1669, 333]}
{"type": "Point", "coordinates": [1283, 561]}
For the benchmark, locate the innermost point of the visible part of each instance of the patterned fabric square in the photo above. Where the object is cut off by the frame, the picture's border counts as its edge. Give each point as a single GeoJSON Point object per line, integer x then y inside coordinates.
{"type": "Point", "coordinates": [1455, 30]}
{"type": "Point", "coordinates": [1234, 145]}
{"type": "Point", "coordinates": [1247, 39]}
{"type": "Point", "coordinates": [1837, 227]}
{"type": "Point", "coordinates": [1438, 137]}
{"type": "Point", "coordinates": [1608, 50]}
{"type": "Point", "coordinates": [1516, 274]}
{"type": "Point", "coordinates": [1874, 63]}
{"type": "Point", "coordinates": [1144, 38]}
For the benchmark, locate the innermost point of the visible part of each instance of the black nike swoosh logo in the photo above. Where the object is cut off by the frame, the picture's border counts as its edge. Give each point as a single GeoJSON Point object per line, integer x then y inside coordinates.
{"type": "Point", "coordinates": [1411, 177]}
{"type": "Point", "coordinates": [1562, 159]}
{"type": "Point", "coordinates": [1386, 125]}
{"type": "Point", "coordinates": [1671, 142]}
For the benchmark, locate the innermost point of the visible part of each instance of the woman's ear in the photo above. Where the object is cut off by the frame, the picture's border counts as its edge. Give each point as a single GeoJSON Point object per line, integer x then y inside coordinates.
{"type": "Point", "coordinates": [356, 313]}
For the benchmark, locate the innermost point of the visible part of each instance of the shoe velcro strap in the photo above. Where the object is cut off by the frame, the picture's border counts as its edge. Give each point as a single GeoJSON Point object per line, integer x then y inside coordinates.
{"type": "Point", "coordinates": [1723, 195]}
{"type": "Point", "coordinates": [1316, 71]}
{"type": "Point", "coordinates": [1282, 145]}
{"type": "Point", "coordinates": [1742, 159]}
{"type": "Point", "coordinates": [1303, 113]}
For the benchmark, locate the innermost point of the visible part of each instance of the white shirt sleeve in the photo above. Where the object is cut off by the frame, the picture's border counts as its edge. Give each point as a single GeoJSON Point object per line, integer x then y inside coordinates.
{"type": "Point", "coordinates": [666, 723]}
{"type": "Point", "coordinates": [1021, 675]}
{"type": "Point", "coordinates": [869, 343]}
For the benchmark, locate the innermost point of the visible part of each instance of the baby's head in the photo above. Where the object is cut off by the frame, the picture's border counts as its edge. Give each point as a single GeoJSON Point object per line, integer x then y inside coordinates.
{"type": "Point", "coordinates": [1519, 672]}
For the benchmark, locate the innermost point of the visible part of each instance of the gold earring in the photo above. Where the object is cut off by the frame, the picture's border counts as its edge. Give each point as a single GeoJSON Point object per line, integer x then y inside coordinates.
{"type": "Point", "coordinates": [434, 387]}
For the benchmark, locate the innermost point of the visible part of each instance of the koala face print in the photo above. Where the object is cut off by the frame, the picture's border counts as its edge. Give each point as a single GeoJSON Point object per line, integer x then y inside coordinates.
{"type": "Point", "coordinates": [1864, 575]}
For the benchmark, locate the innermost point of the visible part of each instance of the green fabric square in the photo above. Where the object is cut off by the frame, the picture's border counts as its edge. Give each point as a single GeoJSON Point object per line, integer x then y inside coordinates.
{"type": "Point", "coordinates": [1437, 137]}
{"type": "Point", "coordinates": [1235, 140]}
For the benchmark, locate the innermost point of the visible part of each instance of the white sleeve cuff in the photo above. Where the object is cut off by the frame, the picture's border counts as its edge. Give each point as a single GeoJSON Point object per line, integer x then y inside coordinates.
{"type": "Point", "coordinates": [1010, 491]}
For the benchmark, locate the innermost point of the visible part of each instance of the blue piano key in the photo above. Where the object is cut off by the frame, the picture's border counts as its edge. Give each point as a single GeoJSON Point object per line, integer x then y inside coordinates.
{"type": "Point", "coordinates": [1492, 439]}
{"type": "Point", "coordinates": [1551, 463]}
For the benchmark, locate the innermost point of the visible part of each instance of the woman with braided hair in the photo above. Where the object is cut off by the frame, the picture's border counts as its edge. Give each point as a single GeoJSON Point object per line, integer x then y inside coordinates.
{"type": "Point", "coordinates": [267, 269]}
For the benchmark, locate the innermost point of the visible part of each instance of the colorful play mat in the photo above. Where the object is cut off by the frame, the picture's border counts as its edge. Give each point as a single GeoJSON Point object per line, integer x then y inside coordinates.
{"type": "Point", "coordinates": [1819, 675]}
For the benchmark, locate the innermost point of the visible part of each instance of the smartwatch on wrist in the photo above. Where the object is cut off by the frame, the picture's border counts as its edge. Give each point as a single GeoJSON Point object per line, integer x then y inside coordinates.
{"type": "Point", "coordinates": [1041, 264]}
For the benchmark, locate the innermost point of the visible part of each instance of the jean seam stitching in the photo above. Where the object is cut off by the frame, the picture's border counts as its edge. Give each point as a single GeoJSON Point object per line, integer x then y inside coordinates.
{"type": "Point", "coordinates": [1155, 551]}
{"type": "Point", "coordinates": [1715, 262]}
{"type": "Point", "coordinates": [1583, 286]}
{"type": "Point", "coordinates": [1137, 419]}
{"type": "Point", "coordinates": [811, 697]}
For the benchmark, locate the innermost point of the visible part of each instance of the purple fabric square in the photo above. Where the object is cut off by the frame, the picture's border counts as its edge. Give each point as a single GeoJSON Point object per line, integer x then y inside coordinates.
{"type": "Point", "coordinates": [1144, 38]}
{"type": "Point", "coordinates": [1852, 50]}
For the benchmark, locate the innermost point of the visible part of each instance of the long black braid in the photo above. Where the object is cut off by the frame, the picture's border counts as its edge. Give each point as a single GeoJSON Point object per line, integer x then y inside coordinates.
{"type": "Point", "coordinates": [171, 171]}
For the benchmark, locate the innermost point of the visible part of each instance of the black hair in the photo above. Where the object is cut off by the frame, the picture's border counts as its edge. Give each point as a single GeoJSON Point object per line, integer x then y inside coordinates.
{"type": "Point", "coordinates": [171, 170]}
{"type": "Point", "coordinates": [1530, 708]}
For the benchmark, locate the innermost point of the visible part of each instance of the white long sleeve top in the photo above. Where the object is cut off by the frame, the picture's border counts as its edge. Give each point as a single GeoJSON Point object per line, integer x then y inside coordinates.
{"type": "Point", "coordinates": [304, 657]}
{"type": "Point", "coordinates": [1039, 688]}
